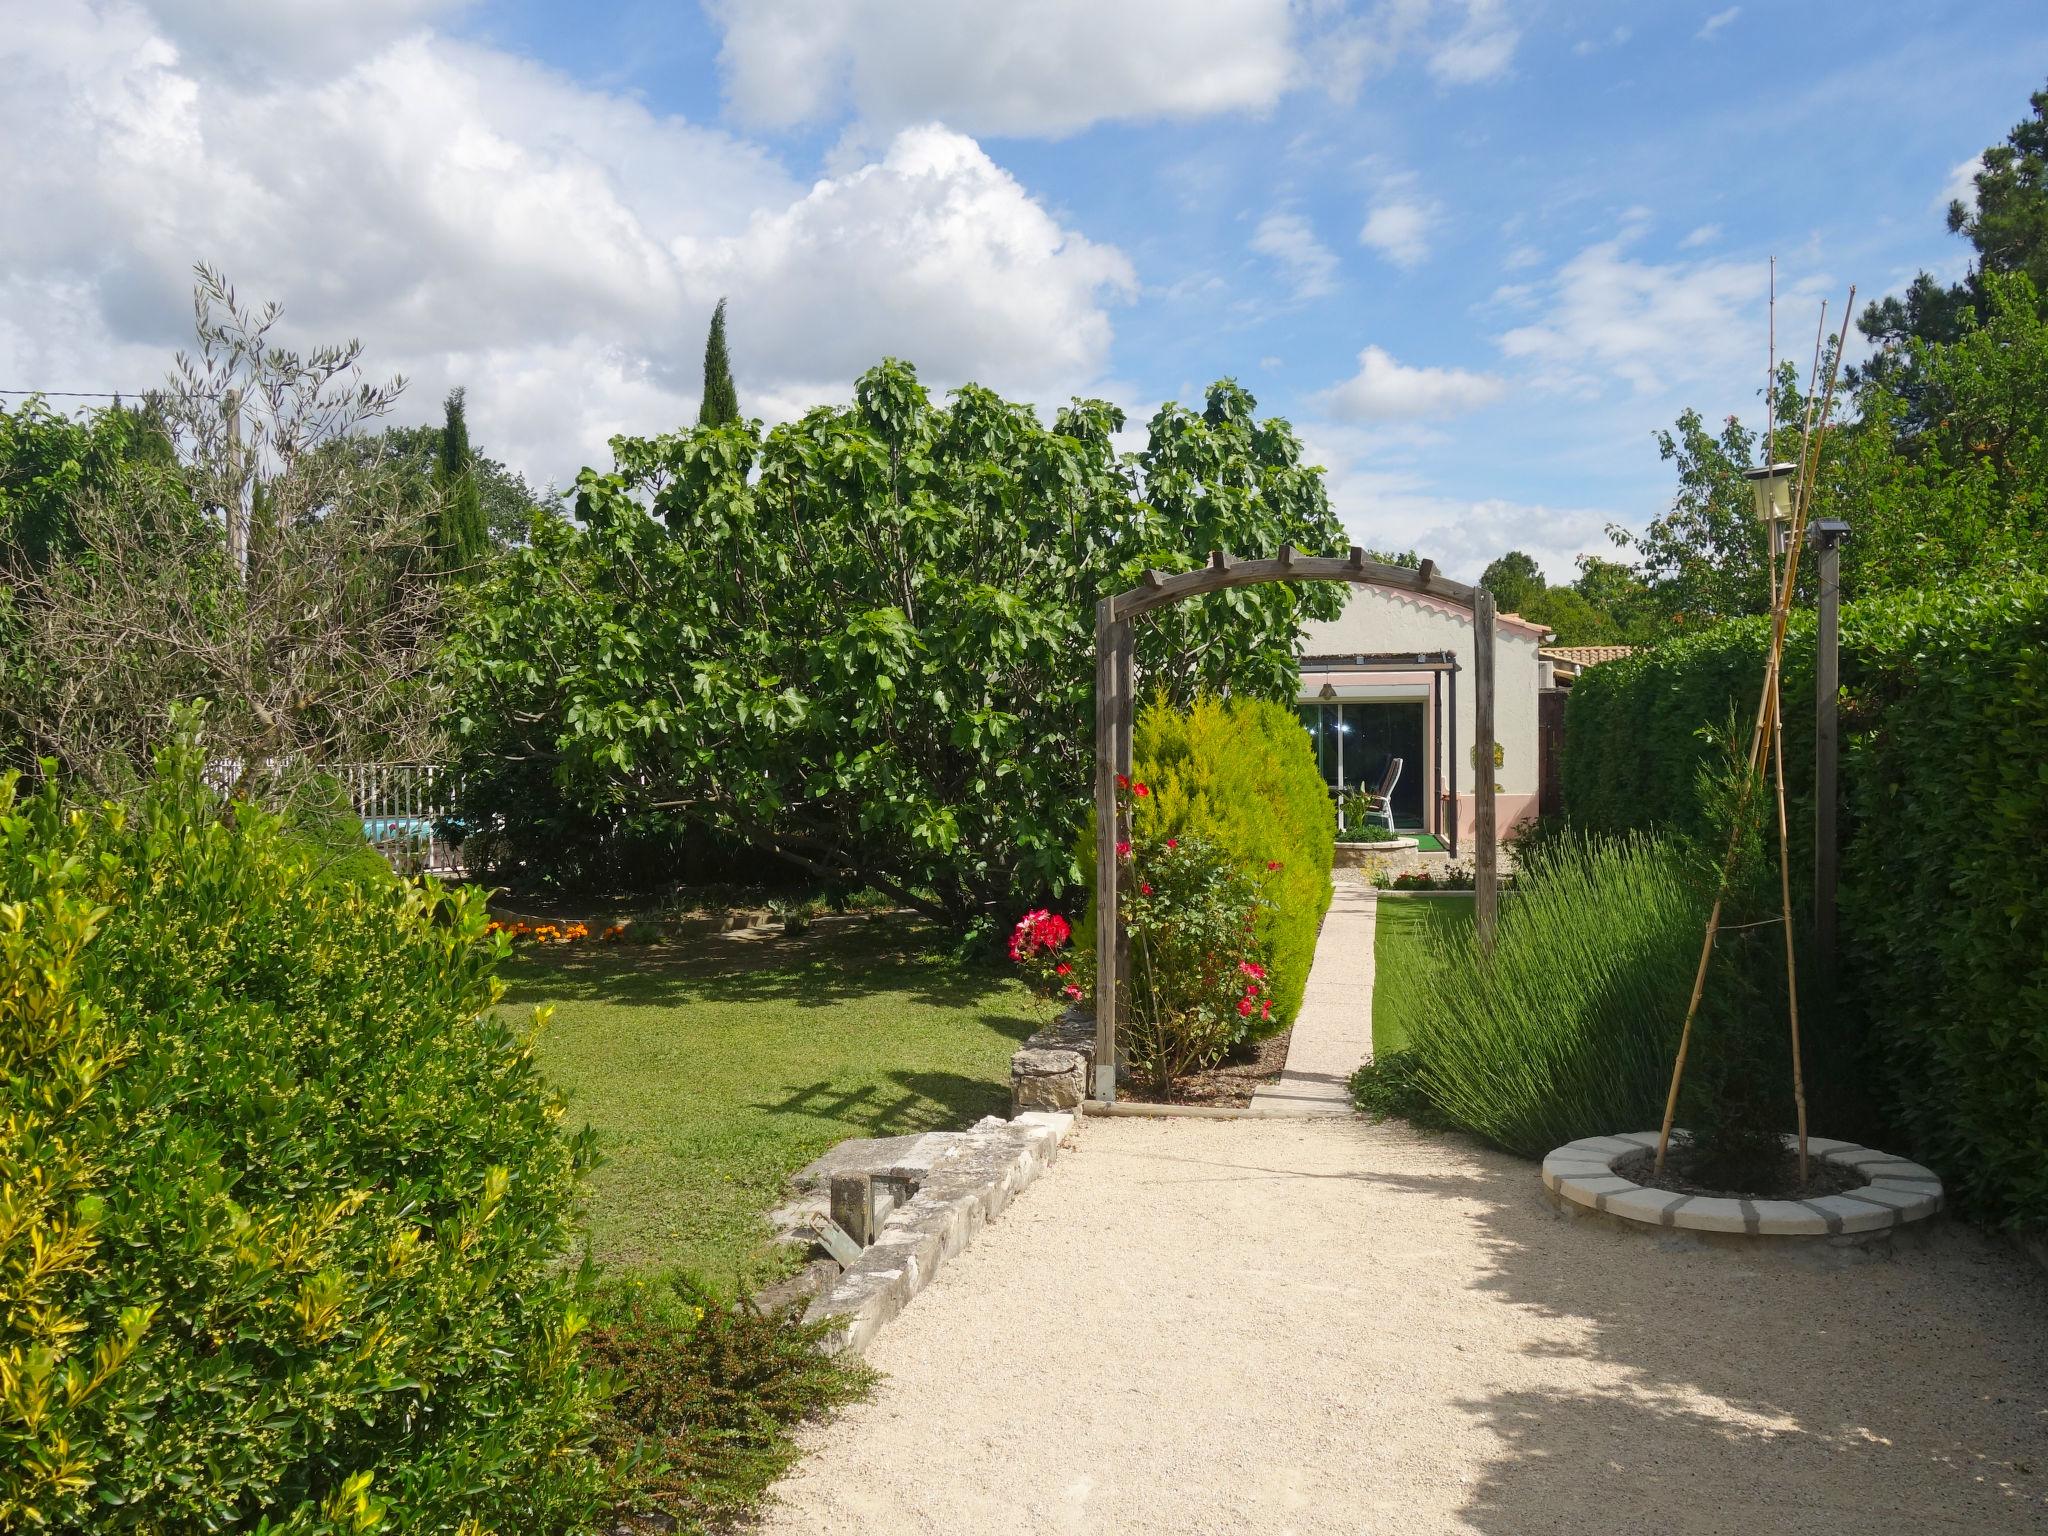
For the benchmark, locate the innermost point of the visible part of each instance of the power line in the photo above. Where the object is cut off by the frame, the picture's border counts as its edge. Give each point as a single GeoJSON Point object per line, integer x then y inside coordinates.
{"type": "Point", "coordinates": [81, 394]}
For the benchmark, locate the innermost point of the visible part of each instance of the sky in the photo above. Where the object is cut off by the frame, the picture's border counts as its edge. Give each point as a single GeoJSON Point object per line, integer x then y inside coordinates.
{"type": "Point", "coordinates": [1477, 251]}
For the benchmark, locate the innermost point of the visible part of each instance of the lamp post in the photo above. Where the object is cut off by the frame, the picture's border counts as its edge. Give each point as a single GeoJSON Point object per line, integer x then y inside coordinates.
{"type": "Point", "coordinates": [1772, 488]}
{"type": "Point", "coordinates": [1826, 535]}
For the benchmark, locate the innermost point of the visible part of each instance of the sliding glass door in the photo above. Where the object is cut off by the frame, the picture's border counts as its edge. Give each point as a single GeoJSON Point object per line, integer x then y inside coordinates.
{"type": "Point", "coordinates": [1355, 739]}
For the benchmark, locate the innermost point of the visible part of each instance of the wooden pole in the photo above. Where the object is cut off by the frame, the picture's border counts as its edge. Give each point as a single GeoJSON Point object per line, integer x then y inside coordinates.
{"type": "Point", "coordinates": [1785, 873]}
{"type": "Point", "coordinates": [1125, 648]}
{"type": "Point", "coordinates": [1827, 687]}
{"type": "Point", "coordinates": [1106, 715]}
{"type": "Point", "coordinates": [237, 517]}
{"type": "Point", "coordinates": [1485, 842]}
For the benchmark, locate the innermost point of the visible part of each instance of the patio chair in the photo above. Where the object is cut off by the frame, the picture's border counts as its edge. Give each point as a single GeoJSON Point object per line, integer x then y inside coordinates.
{"type": "Point", "coordinates": [1379, 803]}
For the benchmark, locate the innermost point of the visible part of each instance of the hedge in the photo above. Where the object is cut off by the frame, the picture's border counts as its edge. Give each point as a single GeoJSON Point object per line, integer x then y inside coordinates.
{"type": "Point", "coordinates": [1944, 825]}
{"type": "Point", "coordinates": [1241, 773]}
{"type": "Point", "coordinates": [283, 1200]}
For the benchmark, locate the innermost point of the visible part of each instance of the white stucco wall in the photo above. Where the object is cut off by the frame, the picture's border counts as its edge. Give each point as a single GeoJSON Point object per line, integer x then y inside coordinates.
{"type": "Point", "coordinates": [1377, 621]}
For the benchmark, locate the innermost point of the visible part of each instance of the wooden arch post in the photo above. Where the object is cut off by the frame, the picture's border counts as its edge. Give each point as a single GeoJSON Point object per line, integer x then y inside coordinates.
{"type": "Point", "coordinates": [1115, 704]}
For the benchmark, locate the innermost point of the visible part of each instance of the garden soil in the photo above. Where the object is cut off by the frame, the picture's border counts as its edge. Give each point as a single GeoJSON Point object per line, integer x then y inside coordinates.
{"type": "Point", "coordinates": [1311, 1326]}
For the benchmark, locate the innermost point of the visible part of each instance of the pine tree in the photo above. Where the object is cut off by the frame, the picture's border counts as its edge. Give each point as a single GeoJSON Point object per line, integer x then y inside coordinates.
{"type": "Point", "coordinates": [721, 401]}
{"type": "Point", "coordinates": [461, 537]}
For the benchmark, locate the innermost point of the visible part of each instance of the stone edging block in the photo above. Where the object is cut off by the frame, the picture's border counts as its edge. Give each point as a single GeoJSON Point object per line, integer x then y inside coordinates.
{"type": "Point", "coordinates": [960, 1192]}
{"type": "Point", "coordinates": [1899, 1191]}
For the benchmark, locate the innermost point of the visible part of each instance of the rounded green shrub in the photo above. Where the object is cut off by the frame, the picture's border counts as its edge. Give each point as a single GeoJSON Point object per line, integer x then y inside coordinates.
{"type": "Point", "coordinates": [283, 1200]}
{"type": "Point", "coordinates": [1240, 774]}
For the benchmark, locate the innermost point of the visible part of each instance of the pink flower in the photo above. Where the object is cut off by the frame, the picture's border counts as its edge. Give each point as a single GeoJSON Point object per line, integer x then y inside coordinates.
{"type": "Point", "coordinates": [1173, 842]}
{"type": "Point", "coordinates": [1244, 1007]}
{"type": "Point", "coordinates": [1272, 864]}
{"type": "Point", "coordinates": [1140, 791]}
{"type": "Point", "coordinates": [1123, 781]}
{"type": "Point", "coordinates": [1063, 969]}
{"type": "Point", "coordinates": [1073, 992]}
{"type": "Point", "coordinates": [1266, 1012]}
{"type": "Point", "coordinates": [1123, 850]}
{"type": "Point", "coordinates": [1144, 889]}
{"type": "Point", "coordinates": [1252, 968]}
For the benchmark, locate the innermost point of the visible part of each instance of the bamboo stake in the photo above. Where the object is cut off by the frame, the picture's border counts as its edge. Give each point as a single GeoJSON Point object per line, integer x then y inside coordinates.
{"type": "Point", "coordinates": [1766, 721]}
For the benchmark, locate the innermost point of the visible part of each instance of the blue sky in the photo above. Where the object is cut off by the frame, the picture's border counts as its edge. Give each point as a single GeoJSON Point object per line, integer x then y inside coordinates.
{"type": "Point", "coordinates": [1477, 250]}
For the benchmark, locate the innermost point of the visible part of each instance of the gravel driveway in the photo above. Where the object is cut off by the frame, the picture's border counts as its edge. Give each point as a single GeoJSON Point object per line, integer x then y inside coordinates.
{"type": "Point", "coordinates": [1325, 1326]}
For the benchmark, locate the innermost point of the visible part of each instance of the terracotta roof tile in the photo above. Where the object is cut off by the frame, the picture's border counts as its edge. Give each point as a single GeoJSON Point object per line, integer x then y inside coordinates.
{"type": "Point", "coordinates": [1585, 655]}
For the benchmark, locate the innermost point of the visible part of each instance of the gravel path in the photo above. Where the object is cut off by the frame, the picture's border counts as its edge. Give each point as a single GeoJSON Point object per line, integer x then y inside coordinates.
{"type": "Point", "coordinates": [1318, 1325]}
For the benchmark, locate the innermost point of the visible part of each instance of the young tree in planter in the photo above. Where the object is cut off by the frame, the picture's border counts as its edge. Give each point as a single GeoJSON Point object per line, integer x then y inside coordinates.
{"type": "Point", "coordinates": [864, 643]}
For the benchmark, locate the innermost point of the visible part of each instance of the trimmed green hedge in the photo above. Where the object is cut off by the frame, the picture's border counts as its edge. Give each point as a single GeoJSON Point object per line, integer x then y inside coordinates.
{"type": "Point", "coordinates": [283, 1199]}
{"type": "Point", "coordinates": [1241, 773]}
{"type": "Point", "coordinates": [1944, 819]}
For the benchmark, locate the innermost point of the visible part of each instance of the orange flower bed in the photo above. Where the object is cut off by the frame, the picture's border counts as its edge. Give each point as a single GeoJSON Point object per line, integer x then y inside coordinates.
{"type": "Point", "coordinates": [544, 933]}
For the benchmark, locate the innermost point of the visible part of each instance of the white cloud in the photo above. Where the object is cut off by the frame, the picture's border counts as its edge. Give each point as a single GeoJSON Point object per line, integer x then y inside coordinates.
{"type": "Point", "coordinates": [1711, 27]}
{"type": "Point", "coordinates": [1521, 256]}
{"type": "Point", "coordinates": [478, 219]}
{"type": "Point", "coordinates": [1480, 50]}
{"type": "Point", "coordinates": [1399, 230]}
{"type": "Point", "coordinates": [1309, 265]}
{"type": "Point", "coordinates": [1653, 327]}
{"type": "Point", "coordinates": [1047, 67]}
{"type": "Point", "coordinates": [1386, 503]}
{"type": "Point", "coordinates": [1591, 45]}
{"type": "Point", "coordinates": [1384, 387]}
{"type": "Point", "coordinates": [267, 37]}
{"type": "Point", "coordinates": [1706, 234]}
{"type": "Point", "coordinates": [1055, 67]}
{"type": "Point", "coordinates": [1961, 186]}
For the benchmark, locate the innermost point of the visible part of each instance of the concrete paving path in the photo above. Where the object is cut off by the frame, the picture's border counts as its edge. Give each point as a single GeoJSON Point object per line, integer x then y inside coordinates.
{"type": "Point", "coordinates": [1307, 1327]}
{"type": "Point", "coordinates": [1333, 1032]}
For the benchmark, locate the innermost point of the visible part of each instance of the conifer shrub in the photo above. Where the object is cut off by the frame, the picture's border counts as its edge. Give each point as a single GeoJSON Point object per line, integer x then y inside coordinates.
{"type": "Point", "coordinates": [283, 1198]}
{"type": "Point", "coordinates": [1239, 774]}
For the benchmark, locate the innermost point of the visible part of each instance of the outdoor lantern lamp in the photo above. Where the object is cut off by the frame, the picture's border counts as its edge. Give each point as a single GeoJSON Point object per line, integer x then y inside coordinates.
{"type": "Point", "coordinates": [1329, 691]}
{"type": "Point", "coordinates": [1772, 487]}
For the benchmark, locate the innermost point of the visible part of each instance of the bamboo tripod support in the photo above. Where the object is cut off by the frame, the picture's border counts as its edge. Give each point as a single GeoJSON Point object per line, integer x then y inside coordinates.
{"type": "Point", "coordinates": [1762, 744]}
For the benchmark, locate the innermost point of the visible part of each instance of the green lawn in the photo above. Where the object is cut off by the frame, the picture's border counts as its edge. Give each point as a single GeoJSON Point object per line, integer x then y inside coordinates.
{"type": "Point", "coordinates": [1400, 969]}
{"type": "Point", "coordinates": [714, 1068]}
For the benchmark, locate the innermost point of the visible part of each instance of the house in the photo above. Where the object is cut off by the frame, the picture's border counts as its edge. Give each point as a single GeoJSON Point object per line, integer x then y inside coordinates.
{"type": "Point", "coordinates": [1392, 677]}
{"type": "Point", "coordinates": [1566, 662]}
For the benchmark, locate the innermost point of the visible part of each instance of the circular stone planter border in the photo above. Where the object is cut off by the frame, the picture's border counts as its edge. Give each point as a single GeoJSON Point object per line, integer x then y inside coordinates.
{"type": "Point", "coordinates": [1898, 1192]}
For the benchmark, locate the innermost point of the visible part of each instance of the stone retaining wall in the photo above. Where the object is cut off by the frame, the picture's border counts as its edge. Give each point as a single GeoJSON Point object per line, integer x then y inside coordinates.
{"type": "Point", "coordinates": [1050, 1071]}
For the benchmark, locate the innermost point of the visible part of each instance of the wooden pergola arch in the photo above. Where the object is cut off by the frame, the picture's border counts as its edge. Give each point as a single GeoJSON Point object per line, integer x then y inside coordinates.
{"type": "Point", "coordinates": [1115, 701]}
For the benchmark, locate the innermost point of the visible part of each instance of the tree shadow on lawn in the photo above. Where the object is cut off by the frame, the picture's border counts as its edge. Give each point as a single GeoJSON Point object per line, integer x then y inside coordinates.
{"type": "Point", "coordinates": [812, 970]}
{"type": "Point", "coordinates": [913, 1101]}
{"type": "Point", "coordinates": [1732, 1391]}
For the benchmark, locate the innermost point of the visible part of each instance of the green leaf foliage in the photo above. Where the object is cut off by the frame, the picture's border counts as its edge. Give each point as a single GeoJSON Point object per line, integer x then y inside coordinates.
{"type": "Point", "coordinates": [1240, 774]}
{"type": "Point", "coordinates": [283, 1200]}
{"type": "Point", "coordinates": [1944, 883]}
{"type": "Point", "coordinates": [863, 643]}
{"type": "Point", "coordinates": [49, 461]}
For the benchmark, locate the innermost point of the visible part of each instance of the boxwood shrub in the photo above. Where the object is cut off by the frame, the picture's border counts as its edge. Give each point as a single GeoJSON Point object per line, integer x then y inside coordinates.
{"type": "Point", "coordinates": [1239, 773]}
{"type": "Point", "coordinates": [1944, 874]}
{"type": "Point", "coordinates": [283, 1199]}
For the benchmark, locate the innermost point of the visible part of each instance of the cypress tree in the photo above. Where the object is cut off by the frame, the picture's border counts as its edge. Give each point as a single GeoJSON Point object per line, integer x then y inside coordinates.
{"type": "Point", "coordinates": [461, 537]}
{"type": "Point", "coordinates": [721, 401]}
